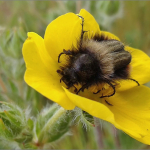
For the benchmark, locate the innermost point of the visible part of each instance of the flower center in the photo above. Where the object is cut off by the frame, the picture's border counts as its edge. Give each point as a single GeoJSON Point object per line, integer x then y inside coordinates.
{"type": "Point", "coordinates": [103, 90]}
{"type": "Point", "coordinates": [99, 93]}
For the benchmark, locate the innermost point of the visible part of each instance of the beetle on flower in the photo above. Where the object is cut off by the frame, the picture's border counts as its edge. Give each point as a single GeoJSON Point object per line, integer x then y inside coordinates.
{"type": "Point", "coordinates": [119, 101]}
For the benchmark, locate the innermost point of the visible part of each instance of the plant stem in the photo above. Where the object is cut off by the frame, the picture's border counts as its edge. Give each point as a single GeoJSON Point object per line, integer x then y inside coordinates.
{"type": "Point", "coordinates": [52, 122]}
{"type": "Point", "coordinates": [98, 134]}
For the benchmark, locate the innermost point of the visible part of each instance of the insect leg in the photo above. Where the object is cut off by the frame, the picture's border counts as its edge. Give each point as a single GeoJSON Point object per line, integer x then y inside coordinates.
{"type": "Point", "coordinates": [59, 56]}
{"type": "Point", "coordinates": [82, 88]}
{"type": "Point", "coordinates": [60, 72]}
{"type": "Point", "coordinates": [134, 81]}
{"type": "Point", "coordinates": [75, 89]}
{"type": "Point", "coordinates": [82, 32]}
{"type": "Point", "coordinates": [61, 79]}
{"type": "Point", "coordinates": [108, 103]}
{"type": "Point", "coordinates": [64, 52]}
{"type": "Point", "coordinates": [113, 89]}
{"type": "Point", "coordinates": [96, 92]}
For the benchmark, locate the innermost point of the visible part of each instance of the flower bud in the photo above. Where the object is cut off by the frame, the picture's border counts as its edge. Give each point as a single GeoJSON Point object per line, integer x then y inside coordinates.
{"type": "Point", "coordinates": [13, 123]}
{"type": "Point", "coordinates": [52, 124]}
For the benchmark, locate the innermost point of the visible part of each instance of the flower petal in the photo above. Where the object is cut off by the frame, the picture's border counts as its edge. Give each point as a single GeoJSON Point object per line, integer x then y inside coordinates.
{"type": "Point", "coordinates": [62, 33]}
{"type": "Point", "coordinates": [90, 24]}
{"type": "Point", "coordinates": [92, 107]}
{"type": "Point", "coordinates": [109, 35]}
{"type": "Point", "coordinates": [65, 32]}
{"type": "Point", "coordinates": [128, 113]}
{"type": "Point", "coordinates": [41, 71]}
{"type": "Point", "coordinates": [140, 68]}
{"type": "Point", "coordinates": [131, 109]}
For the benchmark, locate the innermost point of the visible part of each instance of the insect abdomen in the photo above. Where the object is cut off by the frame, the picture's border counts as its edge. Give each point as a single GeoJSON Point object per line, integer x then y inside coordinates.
{"type": "Point", "coordinates": [121, 59]}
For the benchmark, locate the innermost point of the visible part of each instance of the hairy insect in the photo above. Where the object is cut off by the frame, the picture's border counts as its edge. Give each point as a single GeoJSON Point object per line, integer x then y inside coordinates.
{"type": "Point", "coordinates": [97, 60]}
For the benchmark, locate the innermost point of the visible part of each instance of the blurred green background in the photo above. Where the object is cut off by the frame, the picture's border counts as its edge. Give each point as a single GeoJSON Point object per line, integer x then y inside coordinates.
{"type": "Point", "coordinates": [129, 20]}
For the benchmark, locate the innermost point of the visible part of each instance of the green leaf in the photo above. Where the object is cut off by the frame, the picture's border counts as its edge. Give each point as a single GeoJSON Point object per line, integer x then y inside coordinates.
{"type": "Point", "coordinates": [52, 124]}
{"type": "Point", "coordinates": [4, 132]}
{"type": "Point", "coordinates": [45, 115]}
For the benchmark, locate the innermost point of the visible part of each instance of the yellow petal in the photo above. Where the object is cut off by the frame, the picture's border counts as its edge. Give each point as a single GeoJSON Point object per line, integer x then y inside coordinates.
{"type": "Point", "coordinates": [65, 32]}
{"type": "Point", "coordinates": [92, 107]}
{"type": "Point", "coordinates": [90, 24]}
{"type": "Point", "coordinates": [140, 68]}
{"type": "Point", "coordinates": [109, 35]}
{"type": "Point", "coordinates": [62, 33]}
{"type": "Point", "coordinates": [131, 109]}
{"type": "Point", "coordinates": [41, 71]}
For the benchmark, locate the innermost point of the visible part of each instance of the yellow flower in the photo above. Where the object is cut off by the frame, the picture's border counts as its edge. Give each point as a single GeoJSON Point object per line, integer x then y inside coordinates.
{"type": "Point", "coordinates": [130, 106]}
